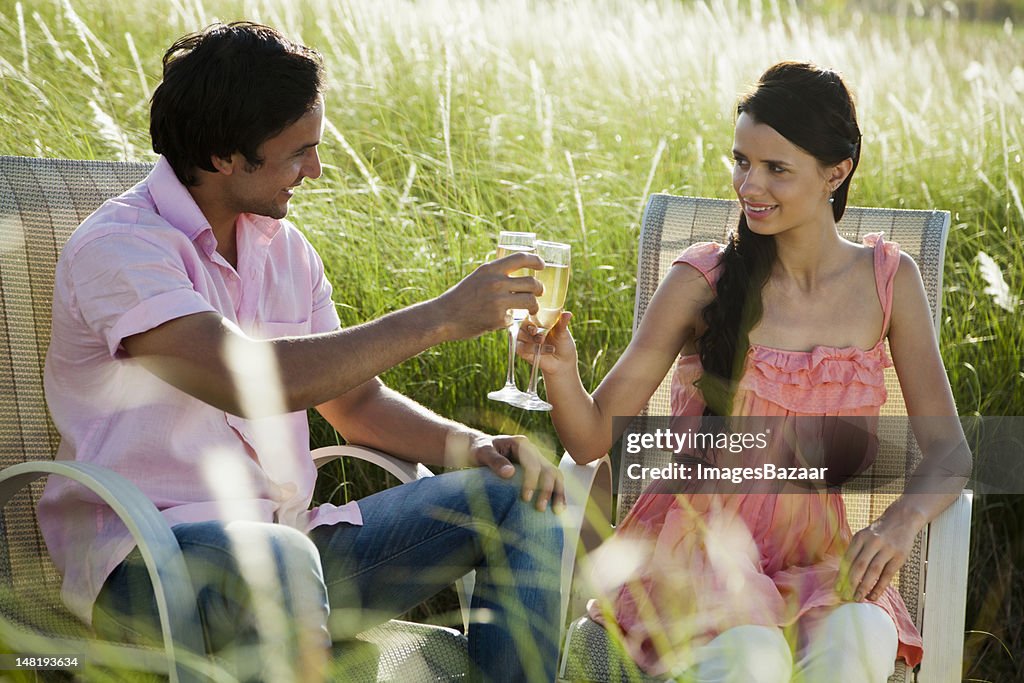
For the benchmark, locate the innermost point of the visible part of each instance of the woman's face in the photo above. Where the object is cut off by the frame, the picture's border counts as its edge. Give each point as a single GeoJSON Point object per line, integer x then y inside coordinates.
{"type": "Point", "coordinates": [780, 186]}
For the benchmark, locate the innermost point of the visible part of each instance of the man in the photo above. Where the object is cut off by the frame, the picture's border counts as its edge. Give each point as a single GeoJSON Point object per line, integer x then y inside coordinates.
{"type": "Point", "coordinates": [193, 326]}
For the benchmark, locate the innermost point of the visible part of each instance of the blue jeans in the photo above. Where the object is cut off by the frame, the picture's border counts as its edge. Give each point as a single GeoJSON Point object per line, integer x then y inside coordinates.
{"type": "Point", "coordinates": [416, 539]}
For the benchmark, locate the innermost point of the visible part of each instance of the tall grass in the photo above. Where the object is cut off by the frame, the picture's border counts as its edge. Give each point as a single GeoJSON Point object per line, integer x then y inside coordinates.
{"type": "Point", "coordinates": [450, 120]}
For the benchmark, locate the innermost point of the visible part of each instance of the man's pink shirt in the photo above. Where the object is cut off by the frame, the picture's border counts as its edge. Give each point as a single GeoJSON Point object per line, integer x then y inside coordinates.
{"type": "Point", "coordinates": [143, 259]}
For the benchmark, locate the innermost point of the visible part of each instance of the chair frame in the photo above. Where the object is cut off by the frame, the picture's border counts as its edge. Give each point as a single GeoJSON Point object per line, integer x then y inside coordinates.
{"type": "Point", "coordinates": [941, 567]}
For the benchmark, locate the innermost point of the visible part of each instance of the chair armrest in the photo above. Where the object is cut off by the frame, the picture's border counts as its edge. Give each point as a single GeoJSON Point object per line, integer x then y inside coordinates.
{"type": "Point", "coordinates": [405, 472]}
{"type": "Point", "coordinates": [175, 596]}
{"type": "Point", "coordinates": [586, 522]}
{"type": "Point", "coordinates": [945, 588]}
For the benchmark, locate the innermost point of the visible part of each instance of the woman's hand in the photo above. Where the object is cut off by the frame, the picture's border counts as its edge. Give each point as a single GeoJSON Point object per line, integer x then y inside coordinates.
{"type": "Point", "coordinates": [558, 352]}
{"type": "Point", "coordinates": [876, 553]}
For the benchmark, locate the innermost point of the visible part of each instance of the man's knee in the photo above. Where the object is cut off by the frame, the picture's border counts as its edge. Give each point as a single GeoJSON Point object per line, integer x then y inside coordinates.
{"type": "Point", "coordinates": [231, 559]}
{"type": "Point", "coordinates": [279, 562]}
{"type": "Point", "coordinates": [482, 485]}
{"type": "Point", "coordinates": [273, 545]}
{"type": "Point", "coordinates": [274, 594]}
{"type": "Point", "coordinates": [501, 501]}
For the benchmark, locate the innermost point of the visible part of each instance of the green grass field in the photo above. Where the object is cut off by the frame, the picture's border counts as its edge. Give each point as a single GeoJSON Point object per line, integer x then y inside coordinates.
{"type": "Point", "coordinates": [448, 121]}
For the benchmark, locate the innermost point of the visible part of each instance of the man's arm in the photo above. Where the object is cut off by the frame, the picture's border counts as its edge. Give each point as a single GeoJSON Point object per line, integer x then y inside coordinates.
{"type": "Point", "coordinates": [208, 357]}
{"type": "Point", "coordinates": [377, 416]}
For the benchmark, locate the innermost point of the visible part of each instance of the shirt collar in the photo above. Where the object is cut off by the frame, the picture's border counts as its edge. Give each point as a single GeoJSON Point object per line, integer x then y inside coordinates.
{"type": "Point", "coordinates": [175, 204]}
{"type": "Point", "coordinates": [173, 201]}
{"type": "Point", "coordinates": [267, 226]}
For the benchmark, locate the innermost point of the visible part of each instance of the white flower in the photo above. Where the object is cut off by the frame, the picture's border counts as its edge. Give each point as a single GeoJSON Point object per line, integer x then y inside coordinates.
{"type": "Point", "coordinates": [997, 286]}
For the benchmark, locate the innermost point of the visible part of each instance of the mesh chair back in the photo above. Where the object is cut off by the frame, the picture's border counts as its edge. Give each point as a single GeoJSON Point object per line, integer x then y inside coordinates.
{"type": "Point", "coordinates": [670, 224]}
{"type": "Point", "coordinates": [41, 202]}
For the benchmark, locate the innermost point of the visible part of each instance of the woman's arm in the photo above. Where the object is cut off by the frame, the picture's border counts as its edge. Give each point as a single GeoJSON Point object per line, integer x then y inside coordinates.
{"type": "Point", "coordinates": [583, 421]}
{"type": "Point", "coordinates": [878, 551]}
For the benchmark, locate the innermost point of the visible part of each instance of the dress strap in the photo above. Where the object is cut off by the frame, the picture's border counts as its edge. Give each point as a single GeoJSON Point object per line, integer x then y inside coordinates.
{"type": "Point", "coordinates": [705, 257]}
{"type": "Point", "coordinates": [887, 262]}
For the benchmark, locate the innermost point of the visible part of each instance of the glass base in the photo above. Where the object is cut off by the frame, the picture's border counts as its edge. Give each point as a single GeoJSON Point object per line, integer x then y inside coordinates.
{"type": "Point", "coordinates": [532, 402]}
{"type": "Point", "coordinates": [508, 394]}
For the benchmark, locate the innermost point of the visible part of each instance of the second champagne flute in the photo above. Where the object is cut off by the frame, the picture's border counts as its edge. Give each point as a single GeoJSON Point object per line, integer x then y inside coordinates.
{"type": "Point", "coordinates": [555, 278]}
{"type": "Point", "coordinates": [509, 243]}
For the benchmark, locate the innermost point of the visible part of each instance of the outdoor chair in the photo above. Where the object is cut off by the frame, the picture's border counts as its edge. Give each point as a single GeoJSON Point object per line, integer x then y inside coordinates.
{"type": "Point", "coordinates": [41, 202]}
{"type": "Point", "coordinates": [933, 582]}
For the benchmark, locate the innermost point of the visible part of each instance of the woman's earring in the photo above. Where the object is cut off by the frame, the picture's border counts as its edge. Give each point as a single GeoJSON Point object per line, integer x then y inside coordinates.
{"type": "Point", "coordinates": [832, 196]}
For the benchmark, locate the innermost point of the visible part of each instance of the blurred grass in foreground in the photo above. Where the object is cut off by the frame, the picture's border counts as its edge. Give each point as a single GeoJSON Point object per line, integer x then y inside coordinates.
{"type": "Point", "coordinates": [448, 121]}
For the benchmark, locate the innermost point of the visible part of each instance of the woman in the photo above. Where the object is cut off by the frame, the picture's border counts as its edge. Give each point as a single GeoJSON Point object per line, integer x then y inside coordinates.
{"type": "Point", "coordinates": [787, 320]}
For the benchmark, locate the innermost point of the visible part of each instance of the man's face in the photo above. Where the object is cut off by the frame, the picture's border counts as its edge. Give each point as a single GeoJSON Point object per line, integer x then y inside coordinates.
{"type": "Point", "coordinates": [288, 158]}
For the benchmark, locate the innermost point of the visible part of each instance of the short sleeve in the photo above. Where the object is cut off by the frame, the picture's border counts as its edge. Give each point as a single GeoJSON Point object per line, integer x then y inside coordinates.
{"type": "Point", "coordinates": [705, 257]}
{"type": "Point", "coordinates": [325, 314]}
{"type": "Point", "coordinates": [124, 284]}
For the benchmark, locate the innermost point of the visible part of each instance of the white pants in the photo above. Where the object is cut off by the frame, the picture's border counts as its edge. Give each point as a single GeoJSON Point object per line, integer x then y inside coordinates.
{"type": "Point", "coordinates": [855, 643]}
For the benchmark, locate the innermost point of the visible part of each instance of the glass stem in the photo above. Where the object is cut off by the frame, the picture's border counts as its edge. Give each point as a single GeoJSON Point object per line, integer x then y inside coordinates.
{"type": "Point", "coordinates": [534, 372]}
{"type": "Point", "coordinates": [513, 334]}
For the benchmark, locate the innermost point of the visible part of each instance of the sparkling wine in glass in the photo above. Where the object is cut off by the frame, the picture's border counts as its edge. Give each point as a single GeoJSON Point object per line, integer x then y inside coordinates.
{"type": "Point", "coordinates": [555, 278]}
{"type": "Point", "coordinates": [509, 243]}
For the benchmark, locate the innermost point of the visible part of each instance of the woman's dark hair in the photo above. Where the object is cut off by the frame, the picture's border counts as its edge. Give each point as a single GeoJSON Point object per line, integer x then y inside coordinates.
{"type": "Point", "coordinates": [812, 109]}
{"type": "Point", "coordinates": [228, 89]}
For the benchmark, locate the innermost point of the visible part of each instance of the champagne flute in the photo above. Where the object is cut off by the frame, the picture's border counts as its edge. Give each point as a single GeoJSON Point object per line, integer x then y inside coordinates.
{"type": "Point", "coordinates": [509, 243]}
{"type": "Point", "coordinates": [555, 278]}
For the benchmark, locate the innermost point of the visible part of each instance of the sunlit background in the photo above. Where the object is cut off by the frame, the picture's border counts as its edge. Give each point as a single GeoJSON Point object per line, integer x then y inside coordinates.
{"type": "Point", "coordinates": [450, 120]}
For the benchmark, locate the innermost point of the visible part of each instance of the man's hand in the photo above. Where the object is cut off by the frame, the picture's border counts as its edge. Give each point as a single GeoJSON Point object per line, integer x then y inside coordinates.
{"type": "Point", "coordinates": [542, 481]}
{"type": "Point", "coordinates": [481, 301]}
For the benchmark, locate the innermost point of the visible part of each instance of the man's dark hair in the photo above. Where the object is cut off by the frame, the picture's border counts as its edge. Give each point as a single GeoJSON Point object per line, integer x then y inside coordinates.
{"type": "Point", "coordinates": [228, 89]}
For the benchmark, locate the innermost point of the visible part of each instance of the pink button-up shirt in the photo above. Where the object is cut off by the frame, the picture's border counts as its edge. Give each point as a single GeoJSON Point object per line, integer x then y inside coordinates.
{"type": "Point", "coordinates": [144, 258]}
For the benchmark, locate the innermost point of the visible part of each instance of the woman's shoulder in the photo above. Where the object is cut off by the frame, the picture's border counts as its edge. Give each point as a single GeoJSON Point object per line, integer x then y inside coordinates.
{"type": "Point", "coordinates": [907, 279]}
{"type": "Point", "coordinates": [706, 257]}
{"type": "Point", "coordinates": [887, 253]}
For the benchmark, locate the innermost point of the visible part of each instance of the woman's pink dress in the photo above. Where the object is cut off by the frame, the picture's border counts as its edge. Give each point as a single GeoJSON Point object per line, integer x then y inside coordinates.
{"type": "Point", "coordinates": [706, 563]}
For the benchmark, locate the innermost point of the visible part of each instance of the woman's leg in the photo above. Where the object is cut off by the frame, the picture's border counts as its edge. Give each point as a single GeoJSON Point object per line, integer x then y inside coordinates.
{"type": "Point", "coordinates": [743, 654]}
{"type": "Point", "coordinates": [858, 639]}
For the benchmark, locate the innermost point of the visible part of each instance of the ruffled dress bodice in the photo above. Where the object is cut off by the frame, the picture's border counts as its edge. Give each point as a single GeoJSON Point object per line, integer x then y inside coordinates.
{"type": "Point", "coordinates": [827, 380]}
{"type": "Point", "coordinates": [712, 562]}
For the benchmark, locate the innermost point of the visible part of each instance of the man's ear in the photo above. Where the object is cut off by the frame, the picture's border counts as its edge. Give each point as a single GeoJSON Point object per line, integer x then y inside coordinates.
{"type": "Point", "coordinates": [225, 165]}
